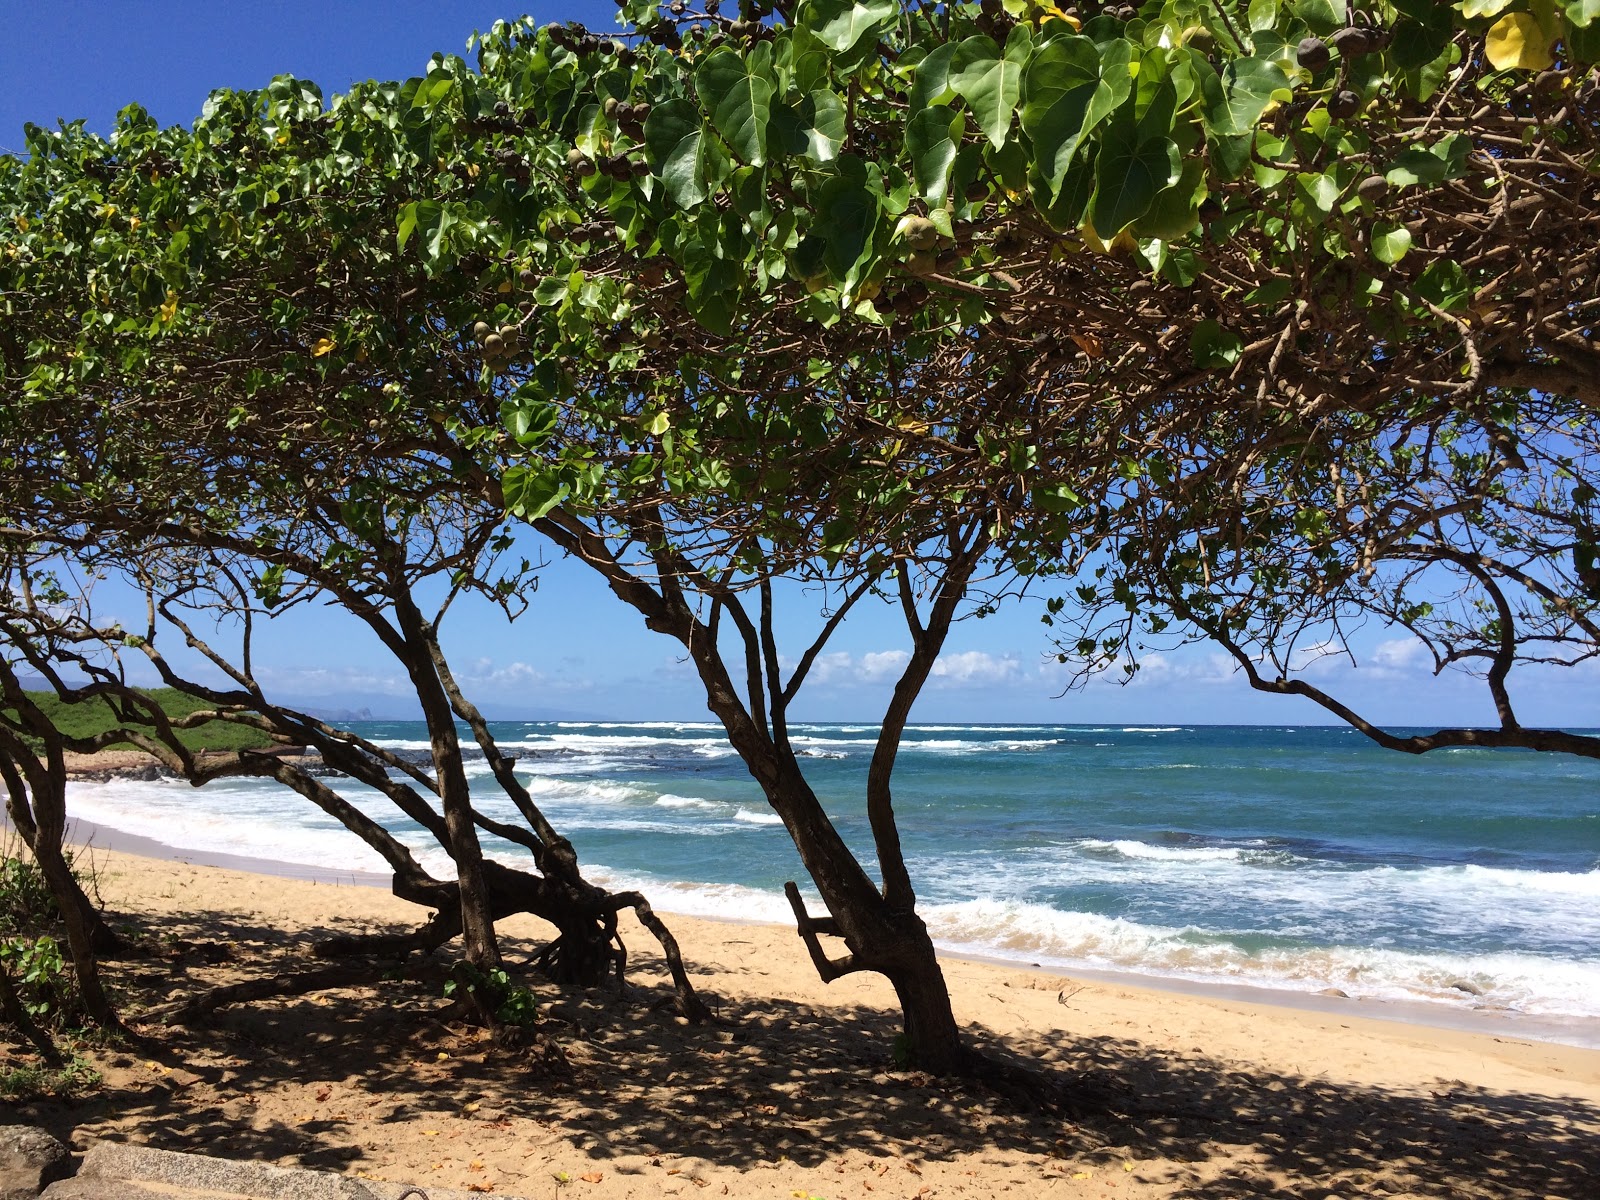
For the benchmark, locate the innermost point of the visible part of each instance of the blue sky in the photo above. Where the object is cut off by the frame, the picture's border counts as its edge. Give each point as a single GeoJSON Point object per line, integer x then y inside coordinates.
{"type": "Point", "coordinates": [578, 651]}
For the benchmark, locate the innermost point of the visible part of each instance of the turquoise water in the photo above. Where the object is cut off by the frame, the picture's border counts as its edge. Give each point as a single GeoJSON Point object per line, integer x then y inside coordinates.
{"type": "Point", "coordinates": [1295, 858]}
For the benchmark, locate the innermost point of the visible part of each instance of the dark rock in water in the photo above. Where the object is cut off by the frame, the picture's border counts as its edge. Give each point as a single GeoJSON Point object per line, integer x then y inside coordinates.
{"type": "Point", "coordinates": [29, 1160]}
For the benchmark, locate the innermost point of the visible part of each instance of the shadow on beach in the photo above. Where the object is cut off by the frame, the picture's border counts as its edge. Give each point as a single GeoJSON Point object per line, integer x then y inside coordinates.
{"type": "Point", "coordinates": [374, 1078]}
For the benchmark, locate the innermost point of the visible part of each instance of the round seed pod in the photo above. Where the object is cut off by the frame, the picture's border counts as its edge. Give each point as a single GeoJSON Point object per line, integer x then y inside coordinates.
{"type": "Point", "coordinates": [1372, 188]}
{"type": "Point", "coordinates": [1351, 42]}
{"type": "Point", "coordinates": [481, 330]}
{"type": "Point", "coordinates": [493, 346]}
{"type": "Point", "coordinates": [1344, 104]}
{"type": "Point", "coordinates": [1312, 53]}
{"type": "Point", "coordinates": [610, 107]}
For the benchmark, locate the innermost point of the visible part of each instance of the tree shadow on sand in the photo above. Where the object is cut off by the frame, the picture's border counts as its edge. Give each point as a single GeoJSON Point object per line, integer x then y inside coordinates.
{"type": "Point", "coordinates": [310, 1080]}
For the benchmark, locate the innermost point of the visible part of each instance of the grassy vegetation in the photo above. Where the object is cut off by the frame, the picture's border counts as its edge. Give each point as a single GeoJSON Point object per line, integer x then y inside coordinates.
{"type": "Point", "coordinates": [96, 716]}
{"type": "Point", "coordinates": [34, 1079]}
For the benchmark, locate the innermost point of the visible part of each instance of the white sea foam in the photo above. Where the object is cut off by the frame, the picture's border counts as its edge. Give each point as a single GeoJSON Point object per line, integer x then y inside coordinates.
{"type": "Point", "coordinates": [231, 817]}
{"type": "Point", "coordinates": [1133, 849]}
{"type": "Point", "coordinates": [676, 726]}
{"type": "Point", "coordinates": [751, 817]}
{"type": "Point", "coordinates": [1065, 940]}
{"type": "Point", "coordinates": [1152, 729]}
{"type": "Point", "coordinates": [670, 801]}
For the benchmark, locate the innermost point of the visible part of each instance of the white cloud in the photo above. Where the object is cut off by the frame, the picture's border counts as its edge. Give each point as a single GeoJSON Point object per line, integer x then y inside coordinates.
{"type": "Point", "coordinates": [492, 676]}
{"type": "Point", "coordinates": [974, 668]}
{"type": "Point", "coordinates": [1401, 654]}
{"type": "Point", "coordinates": [883, 666]}
{"type": "Point", "coordinates": [876, 668]}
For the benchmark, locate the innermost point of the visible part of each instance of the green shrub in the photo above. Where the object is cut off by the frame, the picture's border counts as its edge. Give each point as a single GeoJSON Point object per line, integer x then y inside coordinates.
{"type": "Point", "coordinates": [31, 937]}
{"type": "Point", "coordinates": [511, 1003]}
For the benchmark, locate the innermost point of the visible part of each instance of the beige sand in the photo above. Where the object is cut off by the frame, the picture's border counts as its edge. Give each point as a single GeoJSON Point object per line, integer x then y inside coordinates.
{"type": "Point", "coordinates": [794, 1093]}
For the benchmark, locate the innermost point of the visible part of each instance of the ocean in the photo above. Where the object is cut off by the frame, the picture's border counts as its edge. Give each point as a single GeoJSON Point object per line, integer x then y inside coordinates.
{"type": "Point", "coordinates": [1288, 858]}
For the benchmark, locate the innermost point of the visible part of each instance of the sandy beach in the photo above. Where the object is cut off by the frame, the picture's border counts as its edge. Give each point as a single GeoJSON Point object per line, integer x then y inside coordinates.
{"type": "Point", "coordinates": [793, 1091]}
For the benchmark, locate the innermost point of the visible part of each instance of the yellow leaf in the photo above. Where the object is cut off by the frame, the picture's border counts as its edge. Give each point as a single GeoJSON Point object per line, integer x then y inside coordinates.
{"type": "Point", "coordinates": [283, 139]}
{"type": "Point", "coordinates": [134, 223]}
{"type": "Point", "coordinates": [1051, 13]}
{"type": "Point", "coordinates": [505, 286]}
{"type": "Point", "coordinates": [1080, 1174]}
{"type": "Point", "coordinates": [1518, 41]}
{"type": "Point", "coordinates": [430, 1133]}
{"type": "Point", "coordinates": [443, 1056]}
{"type": "Point", "coordinates": [323, 346]}
{"type": "Point", "coordinates": [170, 308]}
{"type": "Point", "coordinates": [1127, 1166]}
{"type": "Point", "coordinates": [473, 170]}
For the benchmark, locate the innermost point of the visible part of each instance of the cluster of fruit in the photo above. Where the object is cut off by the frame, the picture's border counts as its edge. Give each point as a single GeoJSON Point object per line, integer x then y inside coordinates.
{"type": "Point", "coordinates": [630, 118]}
{"type": "Point", "coordinates": [579, 40]}
{"type": "Point", "coordinates": [613, 166]}
{"type": "Point", "coordinates": [1351, 42]}
{"type": "Point", "coordinates": [499, 346]}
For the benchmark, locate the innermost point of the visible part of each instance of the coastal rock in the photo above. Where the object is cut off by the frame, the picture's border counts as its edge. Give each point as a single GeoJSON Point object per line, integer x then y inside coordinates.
{"type": "Point", "coordinates": [1467, 986]}
{"type": "Point", "coordinates": [1339, 992]}
{"type": "Point", "coordinates": [29, 1160]}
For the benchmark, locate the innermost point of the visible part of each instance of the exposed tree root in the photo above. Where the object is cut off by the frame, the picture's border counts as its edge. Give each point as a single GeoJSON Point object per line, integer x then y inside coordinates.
{"type": "Point", "coordinates": [198, 1007]}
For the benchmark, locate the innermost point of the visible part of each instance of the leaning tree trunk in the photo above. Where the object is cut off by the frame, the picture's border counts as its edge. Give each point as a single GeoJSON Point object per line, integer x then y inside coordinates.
{"type": "Point", "coordinates": [891, 941]}
{"type": "Point", "coordinates": [46, 807]}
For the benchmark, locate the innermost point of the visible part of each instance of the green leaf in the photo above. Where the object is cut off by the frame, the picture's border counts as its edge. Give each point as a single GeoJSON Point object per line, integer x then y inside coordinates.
{"type": "Point", "coordinates": [847, 215]}
{"type": "Point", "coordinates": [737, 95]}
{"type": "Point", "coordinates": [814, 127]}
{"type": "Point", "coordinates": [672, 135]}
{"type": "Point", "coordinates": [530, 492]}
{"type": "Point", "coordinates": [1445, 284]}
{"type": "Point", "coordinates": [1319, 193]}
{"type": "Point", "coordinates": [1322, 16]}
{"type": "Point", "coordinates": [932, 83]}
{"type": "Point", "coordinates": [1390, 242]}
{"type": "Point", "coordinates": [529, 421]}
{"type": "Point", "coordinates": [1214, 347]}
{"type": "Point", "coordinates": [1582, 13]}
{"type": "Point", "coordinates": [1233, 103]}
{"type": "Point", "coordinates": [1483, 8]}
{"type": "Point", "coordinates": [1419, 40]}
{"type": "Point", "coordinates": [990, 81]}
{"type": "Point", "coordinates": [931, 139]}
{"type": "Point", "coordinates": [1060, 84]}
{"type": "Point", "coordinates": [840, 24]}
{"type": "Point", "coordinates": [1128, 176]}
{"type": "Point", "coordinates": [1175, 210]}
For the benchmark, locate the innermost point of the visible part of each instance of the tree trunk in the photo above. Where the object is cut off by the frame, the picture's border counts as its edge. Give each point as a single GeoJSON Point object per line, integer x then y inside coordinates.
{"type": "Point", "coordinates": [892, 942]}
{"type": "Point", "coordinates": [102, 938]}
{"type": "Point", "coordinates": [933, 1040]}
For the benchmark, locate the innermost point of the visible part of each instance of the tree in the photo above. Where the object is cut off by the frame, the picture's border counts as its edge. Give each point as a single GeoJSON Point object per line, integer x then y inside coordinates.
{"type": "Point", "coordinates": [866, 293]}
{"type": "Point", "coordinates": [205, 543]}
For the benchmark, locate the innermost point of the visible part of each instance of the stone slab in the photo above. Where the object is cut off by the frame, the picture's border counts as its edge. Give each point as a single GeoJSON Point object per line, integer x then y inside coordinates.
{"type": "Point", "coordinates": [29, 1159]}
{"type": "Point", "coordinates": [118, 1170]}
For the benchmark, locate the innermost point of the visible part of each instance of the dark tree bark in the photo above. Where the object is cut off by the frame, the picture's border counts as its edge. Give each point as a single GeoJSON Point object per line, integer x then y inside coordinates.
{"type": "Point", "coordinates": [880, 927]}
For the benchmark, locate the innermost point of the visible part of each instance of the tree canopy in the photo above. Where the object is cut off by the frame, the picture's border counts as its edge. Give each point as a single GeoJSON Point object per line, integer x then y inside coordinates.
{"type": "Point", "coordinates": [1247, 318]}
